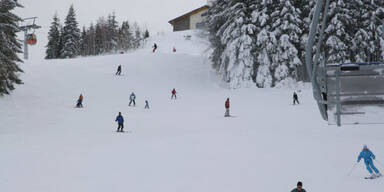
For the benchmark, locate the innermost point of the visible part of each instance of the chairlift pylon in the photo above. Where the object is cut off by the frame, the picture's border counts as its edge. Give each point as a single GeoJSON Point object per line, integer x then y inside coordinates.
{"type": "Point", "coordinates": [29, 38]}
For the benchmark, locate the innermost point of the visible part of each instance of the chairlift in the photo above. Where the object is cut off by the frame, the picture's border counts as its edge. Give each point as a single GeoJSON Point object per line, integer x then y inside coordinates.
{"type": "Point", "coordinates": [355, 92]}
{"type": "Point", "coordinates": [347, 93]}
{"type": "Point", "coordinates": [31, 39]}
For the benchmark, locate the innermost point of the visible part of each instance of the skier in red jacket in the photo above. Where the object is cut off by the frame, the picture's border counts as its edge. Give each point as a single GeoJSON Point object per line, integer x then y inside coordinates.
{"type": "Point", "coordinates": [227, 108]}
{"type": "Point", "coordinates": [154, 47]}
{"type": "Point", "coordinates": [173, 94]}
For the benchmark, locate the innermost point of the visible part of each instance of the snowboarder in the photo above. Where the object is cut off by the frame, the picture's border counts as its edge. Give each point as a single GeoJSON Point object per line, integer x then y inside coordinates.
{"type": "Point", "coordinates": [154, 47]}
{"type": "Point", "coordinates": [80, 101]}
{"type": "Point", "coordinates": [173, 94]}
{"type": "Point", "coordinates": [118, 70]}
{"type": "Point", "coordinates": [299, 187]}
{"type": "Point", "coordinates": [295, 98]}
{"type": "Point", "coordinates": [146, 104]}
{"type": "Point", "coordinates": [367, 155]}
{"type": "Point", "coordinates": [120, 121]}
{"type": "Point", "coordinates": [132, 99]}
{"type": "Point", "coordinates": [227, 108]}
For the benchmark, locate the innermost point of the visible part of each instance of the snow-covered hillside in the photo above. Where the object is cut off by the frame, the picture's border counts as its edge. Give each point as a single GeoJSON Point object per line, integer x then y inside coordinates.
{"type": "Point", "coordinates": [177, 146]}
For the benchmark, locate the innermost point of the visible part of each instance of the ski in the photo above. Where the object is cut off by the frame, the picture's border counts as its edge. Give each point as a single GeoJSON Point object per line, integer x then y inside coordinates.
{"type": "Point", "coordinates": [375, 177]}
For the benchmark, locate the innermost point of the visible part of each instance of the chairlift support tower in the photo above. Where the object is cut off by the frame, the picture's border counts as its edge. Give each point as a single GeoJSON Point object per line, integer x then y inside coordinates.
{"type": "Point", "coordinates": [26, 29]}
{"type": "Point", "coordinates": [331, 84]}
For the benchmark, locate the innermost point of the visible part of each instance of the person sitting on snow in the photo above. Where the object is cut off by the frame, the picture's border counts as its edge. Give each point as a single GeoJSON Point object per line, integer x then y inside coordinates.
{"type": "Point", "coordinates": [367, 155]}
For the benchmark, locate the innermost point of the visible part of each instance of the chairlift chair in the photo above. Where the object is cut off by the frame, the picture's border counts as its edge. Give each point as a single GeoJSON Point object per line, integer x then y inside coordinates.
{"type": "Point", "coordinates": [347, 93]}
{"type": "Point", "coordinates": [31, 39]}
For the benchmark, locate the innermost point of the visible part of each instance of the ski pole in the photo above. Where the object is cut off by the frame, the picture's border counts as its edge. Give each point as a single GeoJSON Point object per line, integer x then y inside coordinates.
{"type": "Point", "coordinates": [353, 168]}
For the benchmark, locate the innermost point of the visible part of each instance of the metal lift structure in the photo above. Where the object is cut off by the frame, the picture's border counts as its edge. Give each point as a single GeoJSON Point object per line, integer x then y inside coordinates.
{"type": "Point", "coordinates": [29, 38]}
{"type": "Point", "coordinates": [343, 90]}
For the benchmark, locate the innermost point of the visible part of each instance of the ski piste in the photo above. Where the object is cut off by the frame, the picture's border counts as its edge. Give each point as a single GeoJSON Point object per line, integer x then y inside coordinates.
{"type": "Point", "coordinates": [268, 135]}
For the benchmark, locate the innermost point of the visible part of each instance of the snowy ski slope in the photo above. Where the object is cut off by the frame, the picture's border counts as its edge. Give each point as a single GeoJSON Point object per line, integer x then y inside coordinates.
{"type": "Point", "coordinates": [185, 145]}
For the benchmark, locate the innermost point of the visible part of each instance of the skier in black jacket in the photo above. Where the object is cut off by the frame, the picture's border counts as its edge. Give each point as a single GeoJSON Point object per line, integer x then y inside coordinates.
{"type": "Point", "coordinates": [118, 70]}
{"type": "Point", "coordinates": [295, 98]}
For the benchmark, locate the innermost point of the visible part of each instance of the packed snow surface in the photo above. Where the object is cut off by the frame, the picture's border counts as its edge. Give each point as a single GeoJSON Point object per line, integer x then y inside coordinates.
{"type": "Point", "coordinates": [183, 145]}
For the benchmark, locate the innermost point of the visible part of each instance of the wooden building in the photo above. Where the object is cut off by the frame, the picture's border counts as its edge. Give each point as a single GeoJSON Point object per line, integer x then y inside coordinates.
{"type": "Point", "coordinates": [191, 20]}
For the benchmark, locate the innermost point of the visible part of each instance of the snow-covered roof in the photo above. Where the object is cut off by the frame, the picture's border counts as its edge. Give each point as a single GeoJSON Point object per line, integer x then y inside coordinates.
{"type": "Point", "coordinates": [205, 7]}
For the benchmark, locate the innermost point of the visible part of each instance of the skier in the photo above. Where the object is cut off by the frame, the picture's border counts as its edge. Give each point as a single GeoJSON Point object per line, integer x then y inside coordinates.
{"type": "Point", "coordinates": [118, 70]}
{"type": "Point", "coordinates": [80, 101]}
{"type": "Point", "coordinates": [367, 155]}
{"type": "Point", "coordinates": [132, 99]}
{"type": "Point", "coordinates": [120, 121]}
{"type": "Point", "coordinates": [174, 49]}
{"type": "Point", "coordinates": [154, 47]}
{"type": "Point", "coordinates": [227, 108]}
{"type": "Point", "coordinates": [146, 104]}
{"type": "Point", "coordinates": [295, 98]}
{"type": "Point", "coordinates": [173, 94]}
{"type": "Point", "coordinates": [299, 187]}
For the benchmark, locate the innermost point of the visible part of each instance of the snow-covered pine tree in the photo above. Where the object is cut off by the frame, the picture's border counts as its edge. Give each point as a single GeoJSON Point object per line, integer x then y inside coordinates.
{"type": "Point", "coordinates": [237, 36]}
{"type": "Point", "coordinates": [265, 16]}
{"type": "Point", "coordinates": [9, 46]}
{"type": "Point", "coordinates": [305, 7]}
{"type": "Point", "coordinates": [61, 41]}
{"type": "Point", "coordinates": [91, 40]}
{"type": "Point", "coordinates": [287, 29]}
{"type": "Point", "coordinates": [137, 36]}
{"type": "Point", "coordinates": [146, 34]}
{"type": "Point", "coordinates": [216, 17]}
{"type": "Point", "coordinates": [265, 52]}
{"type": "Point", "coordinates": [112, 33]}
{"type": "Point", "coordinates": [337, 33]}
{"type": "Point", "coordinates": [70, 36]}
{"type": "Point", "coordinates": [380, 15]}
{"type": "Point", "coordinates": [367, 38]}
{"type": "Point", "coordinates": [53, 46]}
{"type": "Point", "coordinates": [101, 36]}
{"type": "Point", "coordinates": [84, 43]}
{"type": "Point", "coordinates": [125, 36]}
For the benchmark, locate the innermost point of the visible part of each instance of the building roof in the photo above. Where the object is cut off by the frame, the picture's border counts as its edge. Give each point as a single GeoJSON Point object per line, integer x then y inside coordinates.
{"type": "Point", "coordinates": [189, 14]}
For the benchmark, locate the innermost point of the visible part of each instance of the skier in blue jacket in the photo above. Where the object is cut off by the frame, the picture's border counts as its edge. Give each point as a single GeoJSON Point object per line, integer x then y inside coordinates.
{"type": "Point", "coordinates": [367, 155]}
{"type": "Point", "coordinates": [120, 121]}
{"type": "Point", "coordinates": [132, 99]}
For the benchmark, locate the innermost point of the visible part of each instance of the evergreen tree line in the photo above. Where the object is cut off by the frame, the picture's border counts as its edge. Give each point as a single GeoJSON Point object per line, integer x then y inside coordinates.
{"type": "Point", "coordinates": [9, 46]}
{"type": "Point", "coordinates": [106, 36]}
{"type": "Point", "coordinates": [263, 42]}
